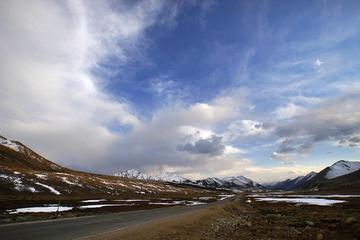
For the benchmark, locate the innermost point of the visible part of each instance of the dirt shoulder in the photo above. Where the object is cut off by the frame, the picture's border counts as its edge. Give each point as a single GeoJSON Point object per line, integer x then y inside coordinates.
{"type": "Point", "coordinates": [240, 218]}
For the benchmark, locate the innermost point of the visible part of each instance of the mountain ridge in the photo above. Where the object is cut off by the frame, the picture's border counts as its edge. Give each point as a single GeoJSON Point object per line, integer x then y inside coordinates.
{"type": "Point", "coordinates": [230, 182]}
{"type": "Point", "coordinates": [325, 179]}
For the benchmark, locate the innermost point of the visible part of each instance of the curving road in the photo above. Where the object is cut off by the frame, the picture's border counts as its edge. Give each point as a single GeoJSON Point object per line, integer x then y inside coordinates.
{"type": "Point", "coordinates": [73, 228]}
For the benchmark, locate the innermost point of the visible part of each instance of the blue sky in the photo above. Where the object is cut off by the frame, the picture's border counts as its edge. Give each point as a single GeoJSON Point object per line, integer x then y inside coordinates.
{"type": "Point", "coordinates": [265, 89]}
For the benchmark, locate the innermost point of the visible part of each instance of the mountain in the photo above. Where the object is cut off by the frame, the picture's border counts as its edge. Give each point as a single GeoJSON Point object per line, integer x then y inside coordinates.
{"type": "Point", "coordinates": [330, 177]}
{"type": "Point", "coordinates": [342, 175]}
{"type": "Point", "coordinates": [133, 174]}
{"type": "Point", "coordinates": [234, 182]}
{"type": "Point", "coordinates": [212, 182]}
{"type": "Point", "coordinates": [171, 177]}
{"type": "Point", "coordinates": [165, 177]}
{"type": "Point", "coordinates": [341, 168]}
{"type": "Point", "coordinates": [26, 175]}
{"type": "Point", "coordinates": [290, 184]}
{"type": "Point", "coordinates": [237, 182]}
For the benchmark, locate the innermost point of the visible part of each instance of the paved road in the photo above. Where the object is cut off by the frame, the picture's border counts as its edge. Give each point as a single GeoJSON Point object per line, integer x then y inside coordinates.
{"type": "Point", "coordinates": [84, 226]}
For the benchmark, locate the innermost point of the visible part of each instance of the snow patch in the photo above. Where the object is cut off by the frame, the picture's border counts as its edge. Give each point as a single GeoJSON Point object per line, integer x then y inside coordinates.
{"type": "Point", "coordinates": [131, 200]}
{"type": "Point", "coordinates": [41, 176]}
{"type": "Point", "coordinates": [105, 205]}
{"type": "Point", "coordinates": [18, 185]}
{"type": "Point", "coordinates": [9, 144]}
{"type": "Point", "coordinates": [301, 201]}
{"type": "Point", "coordinates": [39, 209]}
{"type": "Point", "coordinates": [93, 200]}
{"type": "Point", "coordinates": [53, 190]}
{"type": "Point", "coordinates": [324, 196]}
{"type": "Point", "coordinates": [32, 189]}
{"type": "Point", "coordinates": [225, 196]}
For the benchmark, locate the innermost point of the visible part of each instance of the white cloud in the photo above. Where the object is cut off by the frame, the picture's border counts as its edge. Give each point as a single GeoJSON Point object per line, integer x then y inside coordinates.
{"type": "Point", "coordinates": [49, 97]}
{"type": "Point", "coordinates": [289, 111]}
{"type": "Point", "coordinates": [306, 99]}
{"type": "Point", "coordinates": [318, 63]}
{"type": "Point", "coordinates": [245, 128]}
{"type": "Point", "coordinates": [156, 143]}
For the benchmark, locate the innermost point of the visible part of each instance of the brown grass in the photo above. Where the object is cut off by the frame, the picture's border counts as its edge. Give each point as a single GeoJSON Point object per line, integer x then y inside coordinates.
{"type": "Point", "coordinates": [239, 219]}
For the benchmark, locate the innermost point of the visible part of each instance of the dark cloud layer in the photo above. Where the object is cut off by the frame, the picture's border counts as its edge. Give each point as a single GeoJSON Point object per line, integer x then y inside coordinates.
{"type": "Point", "coordinates": [211, 146]}
{"type": "Point", "coordinates": [337, 121]}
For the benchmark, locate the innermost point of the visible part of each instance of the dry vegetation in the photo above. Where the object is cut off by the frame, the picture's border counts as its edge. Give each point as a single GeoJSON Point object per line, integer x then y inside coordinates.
{"type": "Point", "coordinates": [239, 219]}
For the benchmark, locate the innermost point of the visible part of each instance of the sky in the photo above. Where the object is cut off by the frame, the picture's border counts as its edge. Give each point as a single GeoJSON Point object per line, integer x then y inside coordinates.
{"type": "Point", "coordinates": [265, 89]}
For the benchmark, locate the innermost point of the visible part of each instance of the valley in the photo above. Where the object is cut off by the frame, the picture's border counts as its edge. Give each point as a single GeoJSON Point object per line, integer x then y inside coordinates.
{"type": "Point", "coordinates": [38, 192]}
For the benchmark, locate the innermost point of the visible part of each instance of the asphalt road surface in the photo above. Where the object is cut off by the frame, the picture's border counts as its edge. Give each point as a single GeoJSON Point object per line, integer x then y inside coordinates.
{"type": "Point", "coordinates": [73, 228]}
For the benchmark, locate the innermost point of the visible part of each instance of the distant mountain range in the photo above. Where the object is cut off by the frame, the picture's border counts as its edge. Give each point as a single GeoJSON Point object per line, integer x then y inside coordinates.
{"type": "Point", "coordinates": [236, 182]}
{"type": "Point", "coordinates": [342, 175]}
{"type": "Point", "coordinates": [290, 184]}
{"type": "Point", "coordinates": [165, 177]}
{"type": "Point", "coordinates": [233, 182]}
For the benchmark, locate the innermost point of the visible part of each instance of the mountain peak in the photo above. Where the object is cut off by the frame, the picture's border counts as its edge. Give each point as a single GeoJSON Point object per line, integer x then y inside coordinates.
{"type": "Point", "coordinates": [342, 167]}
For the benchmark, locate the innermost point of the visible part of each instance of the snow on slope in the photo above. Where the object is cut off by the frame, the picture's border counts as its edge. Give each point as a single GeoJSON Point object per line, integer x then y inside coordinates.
{"type": "Point", "coordinates": [212, 182]}
{"type": "Point", "coordinates": [302, 179]}
{"type": "Point", "coordinates": [234, 182]}
{"type": "Point", "coordinates": [53, 190]}
{"type": "Point", "coordinates": [135, 174]}
{"type": "Point", "coordinates": [170, 177]}
{"type": "Point", "coordinates": [10, 144]}
{"type": "Point", "coordinates": [239, 181]}
{"type": "Point", "coordinates": [341, 168]}
{"type": "Point", "coordinates": [226, 182]}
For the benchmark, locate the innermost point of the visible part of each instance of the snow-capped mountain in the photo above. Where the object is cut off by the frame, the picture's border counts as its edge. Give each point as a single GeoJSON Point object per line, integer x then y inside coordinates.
{"type": "Point", "coordinates": [341, 175]}
{"type": "Point", "coordinates": [233, 182]}
{"type": "Point", "coordinates": [165, 177]}
{"type": "Point", "coordinates": [236, 182]}
{"type": "Point", "coordinates": [240, 181]}
{"type": "Point", "coordinates": [134, 174]}
{"type": "Point", "coordinates": [210, 182]}
{"type": "Point", "coordinates": [342, 167]}
{"type": "Point", "coordinates": [290, 184]}
{"type": "Point", "coordinates": [170, 177]}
